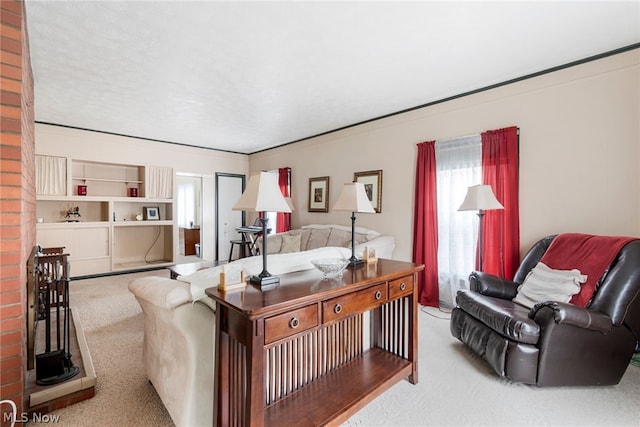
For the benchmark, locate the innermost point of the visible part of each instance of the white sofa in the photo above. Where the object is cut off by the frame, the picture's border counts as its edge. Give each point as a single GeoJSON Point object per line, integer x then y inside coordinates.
{"type": "Point", "coordinates": [316, 236]}
{"type": "Point", "coordinates": [178, 347]}
{"type": "Point", "coordinates": [179, 324]}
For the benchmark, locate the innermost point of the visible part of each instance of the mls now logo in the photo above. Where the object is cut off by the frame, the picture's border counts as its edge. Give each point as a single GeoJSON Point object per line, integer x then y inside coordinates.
{"type": "Point", "coordinates": [13, 417]}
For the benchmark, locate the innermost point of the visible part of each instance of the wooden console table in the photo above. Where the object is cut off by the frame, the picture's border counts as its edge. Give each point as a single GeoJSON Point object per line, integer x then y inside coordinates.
{"type": "Point", "coordinates": [314, 351]}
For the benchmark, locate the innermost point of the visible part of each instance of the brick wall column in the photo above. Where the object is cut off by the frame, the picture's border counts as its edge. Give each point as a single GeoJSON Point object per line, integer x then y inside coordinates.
{"type": "Point", "coordinates": [17, 197]}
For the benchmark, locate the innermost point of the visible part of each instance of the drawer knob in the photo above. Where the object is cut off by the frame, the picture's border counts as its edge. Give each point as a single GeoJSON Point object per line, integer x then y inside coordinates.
{"type": "Point", "coordinates": [403, 286]}
{"type": "Point", "coordinates": [337, 309]}
{"type": "Point", "coordinates": [378, 295]}
{"type": "Point", "coordinates": [294, 322]}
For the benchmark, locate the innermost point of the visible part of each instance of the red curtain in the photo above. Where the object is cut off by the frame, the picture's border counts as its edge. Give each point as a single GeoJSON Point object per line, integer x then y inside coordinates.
{"type": "Point", "coordinates": [284, 218]}
{"type": "Point", "coordinates": [501, 228]}
{"type": "Point", "coordinates": [425, 224]}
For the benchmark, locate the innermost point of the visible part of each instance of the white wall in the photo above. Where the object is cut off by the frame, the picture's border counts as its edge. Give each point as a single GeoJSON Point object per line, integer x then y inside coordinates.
{"type": "Point", "coordinates": [579, 153]}
{"type": "Point", "coordinates": [86, 145]}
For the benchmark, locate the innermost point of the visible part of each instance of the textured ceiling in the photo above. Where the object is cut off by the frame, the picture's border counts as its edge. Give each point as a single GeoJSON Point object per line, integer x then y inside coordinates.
{"type": "Point", "coordinates": [246, 76]}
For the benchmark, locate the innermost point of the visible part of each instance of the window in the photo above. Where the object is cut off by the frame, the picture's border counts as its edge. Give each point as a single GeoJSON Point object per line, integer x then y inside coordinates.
{"type": "Point", "coordinates": [458, 166]}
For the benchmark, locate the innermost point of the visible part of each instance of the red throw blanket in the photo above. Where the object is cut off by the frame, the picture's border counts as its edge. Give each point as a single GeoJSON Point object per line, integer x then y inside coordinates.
{"type": "Point", "coordinates": [590, 254]}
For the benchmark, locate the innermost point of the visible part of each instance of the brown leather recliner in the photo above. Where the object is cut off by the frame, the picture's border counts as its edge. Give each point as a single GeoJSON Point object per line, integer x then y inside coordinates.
{"type": "Point", "coordinates": [554, 343]}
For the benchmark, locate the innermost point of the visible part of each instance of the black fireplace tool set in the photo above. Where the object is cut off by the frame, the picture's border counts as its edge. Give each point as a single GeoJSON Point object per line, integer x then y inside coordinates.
{"type": "Point", "coordinates": [54, 366]}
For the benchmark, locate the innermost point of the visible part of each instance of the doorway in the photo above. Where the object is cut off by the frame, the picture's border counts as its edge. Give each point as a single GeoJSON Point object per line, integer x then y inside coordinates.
{"type": "Point", "coordinates": [229, 188]}
{"type": "Point", "coordinates": [189, 201]}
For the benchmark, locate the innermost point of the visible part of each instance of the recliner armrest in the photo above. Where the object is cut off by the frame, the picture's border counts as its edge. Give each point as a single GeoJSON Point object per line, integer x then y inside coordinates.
{"type": "Point", "coordinates": [568, 314]}
{"type": "Point", "coordinates": [492, 286]}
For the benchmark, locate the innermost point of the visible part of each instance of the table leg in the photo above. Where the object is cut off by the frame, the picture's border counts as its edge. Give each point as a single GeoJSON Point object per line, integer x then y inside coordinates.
{"type": "Point", "coordinates": [221, 371]}
{"type": "Point", "coordinates": [413, 331]}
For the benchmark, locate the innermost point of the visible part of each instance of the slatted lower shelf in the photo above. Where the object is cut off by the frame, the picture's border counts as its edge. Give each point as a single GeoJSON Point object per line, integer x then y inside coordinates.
{"type": "Point", "coordinates": [336, 396]}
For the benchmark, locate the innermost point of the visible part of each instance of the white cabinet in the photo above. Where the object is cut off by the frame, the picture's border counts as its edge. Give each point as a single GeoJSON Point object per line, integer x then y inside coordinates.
{"type": "Point", "coordinates": [102, 230]}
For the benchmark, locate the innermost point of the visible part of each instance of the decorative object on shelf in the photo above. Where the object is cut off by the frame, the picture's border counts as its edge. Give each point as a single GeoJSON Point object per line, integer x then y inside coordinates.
{"type": "Point", "coordinates": [480, 198]}
{"type": "Point", "coordinates": [372, 181]}
{"type": "Point", "coordinates": [330, 266]}
{"type": "Point", "coordinates": [231, 277]}
{"type": "Point", "coordinates": [139, 216]}
{"type": "Point", "coordinates": [319, 194]}
{"type": "Point", "coordinates": [151, 213]}
{"type": "Point", "coordinates": [263, 195]}
{"type": "Point", "coordinates": [133, 192]}
{"type": "Point", "coordinates": [369, 255]}
{"type": "Point", "coordinates": [82, 190]}
{"type": "Point", "coordinates": [354, 199]}
{"type": "Point", "coordinates": [73, 214]}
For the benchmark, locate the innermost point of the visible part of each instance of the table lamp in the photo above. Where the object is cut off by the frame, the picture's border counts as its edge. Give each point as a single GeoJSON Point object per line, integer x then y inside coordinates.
{"type": "Point", "coordinates": [263, 195]}
{"type": "Point", "coordinates": [354, 199]}
{"type": "Point", "coordinates": [480, 198]}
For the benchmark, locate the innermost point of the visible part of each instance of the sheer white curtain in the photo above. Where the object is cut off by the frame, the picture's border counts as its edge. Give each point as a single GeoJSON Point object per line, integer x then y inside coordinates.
{"type": "Point", "coordinates": [51, 175]}
{"type": "Point", "coordinates": [160, 185]}
{"type": "Point", "coordinates": [459, 166]}
{"type": "Point", "coordinates": [188, 200]}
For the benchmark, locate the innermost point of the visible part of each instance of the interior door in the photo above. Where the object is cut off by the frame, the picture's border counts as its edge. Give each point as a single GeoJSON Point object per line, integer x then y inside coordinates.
{"type": "Point", "coordinates": [229, 188]}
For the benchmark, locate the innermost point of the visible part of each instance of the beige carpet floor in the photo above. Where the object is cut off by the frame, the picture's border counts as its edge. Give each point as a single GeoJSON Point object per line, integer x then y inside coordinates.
{"type": "Point", "coordinates": [455, 388]}
{"type": "Point", "coordinates": [112, 322]}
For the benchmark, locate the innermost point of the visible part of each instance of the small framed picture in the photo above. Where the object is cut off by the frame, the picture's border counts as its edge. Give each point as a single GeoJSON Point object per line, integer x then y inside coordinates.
{"type": "Point", "coordinates": [369, 254]}
{"type": "Point", "coordinates": [231, 277]}
{"type": "Point", "coordinates": [319, 194]}
{"type": "Point", "coordinates": [151, 213]}
{"type": "Point", "coordinates": [372, 181]}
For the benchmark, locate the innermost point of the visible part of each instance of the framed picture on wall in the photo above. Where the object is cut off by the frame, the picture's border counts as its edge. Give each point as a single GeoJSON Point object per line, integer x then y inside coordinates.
{"type": "Point", "coordinates": [151, 213]}
{"type": "Point", "coordinates": [372, 181]}
{"type": "Point", "coordinates": [319, 194]}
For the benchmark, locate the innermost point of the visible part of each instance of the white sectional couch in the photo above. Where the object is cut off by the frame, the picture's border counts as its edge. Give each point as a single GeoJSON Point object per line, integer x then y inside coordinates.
{"type": "Point", "coordinates": [179, 325]}
{"type": "Point", "coordinates": [316, 236]}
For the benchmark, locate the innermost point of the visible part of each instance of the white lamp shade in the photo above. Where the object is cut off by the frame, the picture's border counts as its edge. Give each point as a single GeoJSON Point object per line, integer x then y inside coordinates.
{"type": "Point", "coordinates": [353, 199]}
{"type": "Point", "coordinates": [290, 203]}
{"type": "Point", "coordinates": [480, 197]}
{"type": "Point", "coordinates": [262, 195]}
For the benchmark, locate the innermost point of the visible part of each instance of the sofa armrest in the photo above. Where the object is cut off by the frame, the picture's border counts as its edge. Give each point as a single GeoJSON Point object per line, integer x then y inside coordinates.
{"type": "Point", "coordinates": [569, 314]}
{"type": "Point", "coordinates": [161, 291]}
{"type": "Point", "coordinates": [492, 286]}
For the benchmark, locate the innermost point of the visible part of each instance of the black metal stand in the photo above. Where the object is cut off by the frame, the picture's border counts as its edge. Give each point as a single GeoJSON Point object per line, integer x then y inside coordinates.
{"type": "Point", "coordinates": [479, 267]}
{"type": "Point", "coordinates": [265, 280]}
{"type": "Point", "coordinates": [353, 261]}
{"type": "Point", "coordinates": [55, 366]}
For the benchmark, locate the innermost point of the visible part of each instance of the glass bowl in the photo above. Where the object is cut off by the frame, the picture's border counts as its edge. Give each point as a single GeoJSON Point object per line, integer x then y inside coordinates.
{"type": "Point", "coordinates": [330, 266]}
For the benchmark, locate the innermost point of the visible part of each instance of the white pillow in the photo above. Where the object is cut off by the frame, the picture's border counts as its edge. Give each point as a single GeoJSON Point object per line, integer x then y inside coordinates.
{"type": "Point", "coordinates": [290, 244]}
{"type": "Point", "coordinates": [546, 284]}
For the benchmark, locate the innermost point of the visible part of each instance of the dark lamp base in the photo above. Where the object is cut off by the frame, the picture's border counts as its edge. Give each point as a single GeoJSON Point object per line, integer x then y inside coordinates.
{"type": "Point", "coordinates": [265, 281]}
{"type": "Point", "coordinates": [355, 262]}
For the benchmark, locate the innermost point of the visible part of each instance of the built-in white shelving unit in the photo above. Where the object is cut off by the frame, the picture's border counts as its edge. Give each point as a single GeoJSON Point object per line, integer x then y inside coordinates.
{"type": "Point", "coordinates": [109, 234]}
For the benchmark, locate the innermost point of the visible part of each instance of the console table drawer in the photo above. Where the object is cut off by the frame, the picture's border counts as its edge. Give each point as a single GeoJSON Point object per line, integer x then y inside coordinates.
{"type": "Point", "coordinates": [402, 286]}
{"type": "Point", "coordinates": [357, 302]}
{"type": "Point", "coordinates": [283, 325]}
